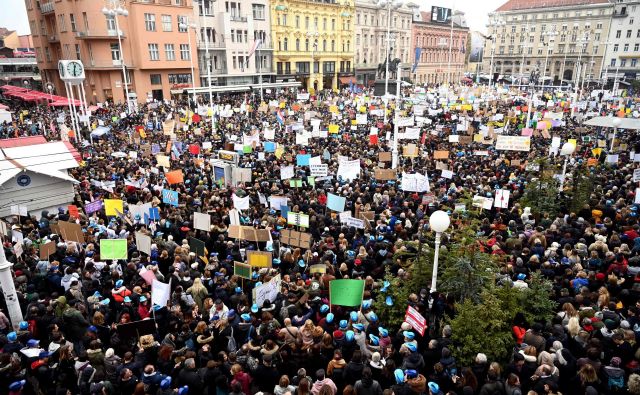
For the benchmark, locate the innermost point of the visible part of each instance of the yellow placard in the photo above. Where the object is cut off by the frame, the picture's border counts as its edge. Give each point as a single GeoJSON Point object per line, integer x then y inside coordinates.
{"type": "Point", "coordinates": [112, 206]}
{"type": "Point", "coordinates": [573, 142]}
{"type": "Point", "coordinates": [363, 109]}
{"type": "Point", "coordinates": [353, 122]}
{"type": "Point", "coordinates": [259, 258]}
{"type": "Point", "coordinates": [283, 104]}
{"type": "Point", "coordinates": [477, 138]}
{"type": "Point", "coordinates": [333, 109]}
{"type": "Point", "coordinates": [334, 128]}
{"type": "Point", "coordinates": [279, 152]}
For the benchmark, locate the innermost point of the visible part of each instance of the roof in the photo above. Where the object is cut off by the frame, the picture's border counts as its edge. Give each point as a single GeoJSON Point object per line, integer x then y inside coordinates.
{"type": "Point", "coordinates": [426, 18]}
{"type": "Point", "coordinates": [4, 32]}
{"type": "Point", "coordinates": [22, 141]}
{"type": "Point", "coordinates": [515, 5]}
{"type": "Point", "coordinates": [48, 159]}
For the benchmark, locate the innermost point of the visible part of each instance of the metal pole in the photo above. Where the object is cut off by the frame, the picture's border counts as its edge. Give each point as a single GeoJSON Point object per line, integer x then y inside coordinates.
{"type": "Point", "coordinates": [394, 151]}
{"type": "Point", "coordinates": [575, 91]}
{"type": "Point", "coordinates": [450, 48]}
{"type": "Point", "coordinates": [124, 70]}
{"type": "Point", "coordinates": [9, 290]}
{"type": "Point", "coordinates": [530, 103]}
{"type": "Point", "coordinates": [615, 130]}
{"type": "Point", "coordinates": [493, 50]}
{"type": "Point", "coordinates": [386, 59]}
{"type": "Point", "coordinates": [208, 64]}
{"type": "Point", "coordinates": [564, 173]}
{"type": "Point", "coordinates": [193, 76]}
{"type": "Point", "coordinates": [436, 253]}
{"type": "Point", "coordinates": [259, 64]}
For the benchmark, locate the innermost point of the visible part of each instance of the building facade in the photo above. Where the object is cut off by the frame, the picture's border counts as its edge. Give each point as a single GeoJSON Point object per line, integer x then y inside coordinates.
{"type": "Point", "coordinates": [371, 24]}
{"type": "Point", "coordinates": [18, 64]}
{"type": "Point", "coordinates": [313, 42]}
{"type": "Point", "coordinates": [557, 39]}
{"type": "Point", "coordinates": [155, 45]}
{"type": "Point", "coordinates": [623, 45]}
{"type": "Point", "coordinates": [237, 37]}
{"type": "Point", "coordinates": [441, 47]}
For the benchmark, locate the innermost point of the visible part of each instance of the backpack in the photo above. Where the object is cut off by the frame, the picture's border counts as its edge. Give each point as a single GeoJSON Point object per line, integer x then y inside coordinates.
{"type": "Point", "coordinates": [232, 346]}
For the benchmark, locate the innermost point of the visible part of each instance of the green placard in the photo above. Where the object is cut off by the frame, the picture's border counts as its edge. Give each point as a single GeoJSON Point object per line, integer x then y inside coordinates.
{"type": "Point", "coordinates": [242, 270]}
{"type": "Point", "coordinates": [113, 249]}
{"type": "Point", "coordinates": [197, 246]}
{"type": "Point", "coordinates": [346, 292]}
{"type": "Point", "coordinates": [295, 183]}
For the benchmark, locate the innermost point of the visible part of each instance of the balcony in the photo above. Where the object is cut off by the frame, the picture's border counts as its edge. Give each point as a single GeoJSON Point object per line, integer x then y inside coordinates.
{"type": "Point", "coordinates": [46, 8]}
{"type": "Point", "coordinates": [54, 39]}
{"type": "Point", "coordinates": [19, 74]}
{"type": "Point", "coordinates": [622, 13]}
{"type": "Point", "coordinates": [99, 35]}
{"type": "Point", "coordinates": [235, 18]}
{"type": "Point", "coordinates": [216, 45]}
{"type": "Point", "coordinates": [105, 65]}
{"type": "Point", "coordinates": [18, 61]}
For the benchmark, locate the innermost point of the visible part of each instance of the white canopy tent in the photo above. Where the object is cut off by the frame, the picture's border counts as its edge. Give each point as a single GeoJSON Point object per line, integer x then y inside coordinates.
{"type": "Point", "coordinates": [608, 122]}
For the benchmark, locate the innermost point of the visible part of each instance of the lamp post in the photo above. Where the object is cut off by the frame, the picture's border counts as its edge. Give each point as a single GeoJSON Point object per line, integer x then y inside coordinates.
{"type": "Point", "coordinates": [189, 26]}
{"type": "Point", "coordinates": [495, 23]}
{"type": "Point", "coordinates": [567, 150]}
{"type": "Point", "coordinates": [50, 89]}
{"type": "Point", "coordinates": [114, 10]}
{"type": "Point", "coordinates": [388, 5]}
{"type": "Point", "coordinates": [314, 47]}
{"type": "Point", "coordinates": [439, 222]}
{"type": "Point", "coordinates": [207, 56]}
{"type": "Point", "coordinates": [394, 148]}
{"type": "Point", "coordinates": [9, 290]}
{"type": "Point", "coordinates": [552, 37]}
{"type": "Point", "coordinates": [616, 122]}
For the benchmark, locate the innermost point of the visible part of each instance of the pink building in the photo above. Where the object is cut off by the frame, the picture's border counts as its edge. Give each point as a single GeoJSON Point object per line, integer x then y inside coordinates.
{"type": "Point", "coordinates": [431, 41]}
{"type": "Point", "coordinates": [155, 49]}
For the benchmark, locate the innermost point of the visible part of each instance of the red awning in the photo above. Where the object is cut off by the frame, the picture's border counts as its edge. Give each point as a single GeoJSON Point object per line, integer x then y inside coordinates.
{"type": "Point", "coordinates": [3, 107]}
{"type": "Point", "coordinates": [347, 80]}
{"type": "Point", "coordinates": [64, 103]}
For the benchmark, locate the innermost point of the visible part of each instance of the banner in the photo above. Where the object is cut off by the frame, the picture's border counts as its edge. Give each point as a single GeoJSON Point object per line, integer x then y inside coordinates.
{"type": "Point", "coordinates": [414, 183]}
{"type": "Point", "coordinates": [513, 143]}
{"type": "Point", "coordinates": [346, 292]}
{"type": "Point", "coordinates": [320, 170]}
{"type": "Point", "coordinates": [268, 291]}
{"type": "Point", "coordinates": [298, 219]}
{"type": "Point", "coordinates": [416, 320]}
{"type": "Point", "coordinates": [113, 249]}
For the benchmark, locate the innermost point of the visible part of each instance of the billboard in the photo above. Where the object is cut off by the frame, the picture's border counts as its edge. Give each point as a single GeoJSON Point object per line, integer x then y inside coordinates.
{"type": "Point", "coordinates": [477, 47]}
{"type": "Point", "coordinates": [440, 14]}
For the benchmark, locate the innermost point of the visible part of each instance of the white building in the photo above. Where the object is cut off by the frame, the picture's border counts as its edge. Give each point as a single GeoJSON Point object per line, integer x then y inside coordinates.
{"type": "Point", "coordinates": [623, 46]}
{"type": "Point", "coordinates": [371, 37]}
{"type": "Point", "coordinates": [229, 30]}
{"type": "Point", "coordinates": [33, 174]}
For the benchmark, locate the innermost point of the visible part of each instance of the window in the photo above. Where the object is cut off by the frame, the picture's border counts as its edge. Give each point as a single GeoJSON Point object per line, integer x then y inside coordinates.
{"type": "Point", "coordinates": [618, 33]}
{"type": "Point", "coordinates": [111, 23]}
{"type": "Point", "coordinates": [631, 21]}
{"type": "Point", "coordinates": [166, 23]}
{"type": "Point", "coordinates": [47, 54]}
{"type": "Point", "coordinates": [306, 22]}
{"type": "Point", "coordinates": [636, 46]}
{"type": "Point", "coordinates": [306, 45]}
{"type": "Point", "coordinates": [72, 21]}
{"type": "Point", "coordinates": [156, 79]}
{"type": "Point", "coordinates": [204, 7]}
{"type": "Point", "coordinates": [62, 25]}
{"type": "Point", "coordinates": [258, 11]}
{"type": "Point", "coordinates": [297, 44]}
{"type": "Point", "coordinates": [286, 44]}
{"type": "Point", "coordinates": [333, 24]}
{"type": "Point", "coordinates": [634, 62]}
{"type": "Point", "coordinates": [85, 20]}
{"type": "Point", "coordinates": [66, 51]}
{"type": "Point", "coordinates": [623, 62]}
{"type": "Point", "coordinates": [78, 51]}
{"type": "Point", "coordinates": [154, 53]}
{"type": "Point", "coordinates": [32, 28]}
{"type": "Point", "coordinates": [324, 23]}
{"type": "Point", "coordinates": [115, 52]}
{"type": "Point", "coordinates": [615, 48]}
{"type": "Point", "coordinates": [169, 51]}
{"type": "Point", "coordinates": [628, 33]}
{"type": "Point", "coordinates": [150, 22]}
{"type": "Point", "coordinates": [597, 37]}
{"type": "Point", "coordinates": [297, 22]}
{"type": "Point", "coordinates": [324, 45]}
{"type": "Point", "coordinates": [303, 67]}
{"type": "Point", "coordinates": [329, 67]}
{"type": "Point", "coordinates": [233, 36]}
{"type": "Point", "coordinates": [185, 52]}
{"type": "Point", "coordinates": [613, 62]}
{"type": "Point", "coordinates": [638, 34]}
{"type": "Point", "coordinates": [179, 78]}
{"type": "Point", "coordinates": [599, 25]}
{"type": "Point", "coordinates": [626, 48]}
{"type": "Point", "coordinates": [239, 36]}
{"type": "Point", "coordinates": [284, 19]}
{"type": "Point", "coordinates": [234, 62]}
{"type": "Point", "coordinates": [183, 20]}
{"type": "Point", "coordinates": [333, 45]}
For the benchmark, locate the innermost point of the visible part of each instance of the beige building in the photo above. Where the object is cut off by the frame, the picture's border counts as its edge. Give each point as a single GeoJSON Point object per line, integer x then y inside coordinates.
{"type": "Point", "coordinates": [527, 35]}
{"type": "Point", "coordinates": [155, 45]}
{"type": "Point", "coordinates": [229, 30]}
{"type": "Point", "coordinates": [371, 37]}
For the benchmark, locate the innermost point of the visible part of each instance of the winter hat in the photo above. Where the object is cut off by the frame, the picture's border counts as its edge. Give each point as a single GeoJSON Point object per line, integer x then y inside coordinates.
{"type": "Point", "coordinates": [376, 360]}
{"type": "Point", "coordinates": [24, 325]}
{"type": "Point", "coordinates": [433, 387]}
{"type": "Point", "coordinates": [165, 383]}
{"type": "Point", "coordinates": [349, 336]}
{"type": "Point", "coordinates": [330, 318]}
{"type": "Point", "coordinates": [399, 375]}
{"type": "Point", "coordinates": [411, 373]}
{"type": "Point", "coordinates": [405, 326]}
{"type": "Point", "coordinates": [12, 336]}
{"type": "Point", "coordinates": [109, 353]}
{"type": "Point", "coordinates": [17, 385]}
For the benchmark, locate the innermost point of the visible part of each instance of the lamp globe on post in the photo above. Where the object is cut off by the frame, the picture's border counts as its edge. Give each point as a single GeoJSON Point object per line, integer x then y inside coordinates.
{"type": "Point", "coordinates": [567, 150]}
{"type": "Point", "coordinates": [438, 222]}
{"type": "Point", "coordinates": [616, 123]}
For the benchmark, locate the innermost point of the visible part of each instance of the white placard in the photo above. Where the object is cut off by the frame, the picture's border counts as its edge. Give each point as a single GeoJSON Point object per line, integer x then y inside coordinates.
{"type": "Point", "coordinates": [502, 198]}
{"type": "Point", "coordinates": [355, 222]}
{"type": "Point", "coordinates": [320, 170]}
{"type": "Point", "coordinates": [286, 172]}
{"type": "Point", "coordinates": [513, 143]}
{"type": "Point", "coordinates": [202, 221]}
{"type": "Point", "coordinates": [448, 174]}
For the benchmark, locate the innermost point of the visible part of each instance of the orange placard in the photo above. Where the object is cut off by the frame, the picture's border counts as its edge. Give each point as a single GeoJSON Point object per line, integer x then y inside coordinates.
{"type": "Point", "coordinates": [174, 177]}
{"type": "Point", "coordinates": [441, 155]}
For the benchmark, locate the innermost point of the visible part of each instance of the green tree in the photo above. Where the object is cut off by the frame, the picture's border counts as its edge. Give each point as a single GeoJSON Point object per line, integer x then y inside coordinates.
{"type": "Point", "coordinates": [541, 193]}
{"type": "Point", "coordinates": [582, 185]}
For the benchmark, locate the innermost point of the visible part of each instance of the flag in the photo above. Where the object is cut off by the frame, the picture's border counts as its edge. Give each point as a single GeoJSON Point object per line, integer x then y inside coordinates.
{"type": "Point", "coordinates": [280, 117]}
{"type": "Point", "coordinates": [417, 59]}
{"type": "Point", "coordinates": [256, 44]}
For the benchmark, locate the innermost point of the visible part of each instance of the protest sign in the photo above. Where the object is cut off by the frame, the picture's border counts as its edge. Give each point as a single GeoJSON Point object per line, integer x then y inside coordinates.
{"type": "Point", "coordinates": [202, 221]}
{"type": "Point", "coordinates": [267, 292]}
{"type": "Point", "coordinates": [259, 258]}
{"type": "Point", "coordinates": [242, 270]}
{"type": "Point", "coordinates": [46, 250]}
{"type": "Point", "coordinates": [174, 177]}
{"type": "Point", "coordinates": [385, 174]}
{"type": "Point", "coordinates": [416, 320]}
{"type": "Point", "coordinates": [319, 170]}
{"type": "Point", "coordinates": [513, 143]}
{"type": "Point", "coordinates": [113, 249]}
{"type": "Point", "coordinates": [197, 246]}
{"type": "Point", "coordinates": [70, 231]}
{"type": "Point", "coordinates": [335, 202]}
{"type": "Point", "coordinates": [384, 156]}
{"type": "Point", "coordinates": [92, 207]}
{"type": "Point", "coordinates": [298, 219]}
{"type": "Point", "coordinates": [111, 206]}
{"type": "Point", "coordinates": [295, 238]}
{"type": "Point", "coordinates": [170, 197]}
{"type": "Point", "coordinates": [346, 292]}
{"type": "Point", "coordinates": [143, 243]}
{"type": "Point", "coordinates": [160, 293]}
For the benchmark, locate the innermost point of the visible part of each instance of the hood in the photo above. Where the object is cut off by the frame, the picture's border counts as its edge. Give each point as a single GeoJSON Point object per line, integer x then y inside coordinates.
{"type": "Point", "coordinates": [418, 385]}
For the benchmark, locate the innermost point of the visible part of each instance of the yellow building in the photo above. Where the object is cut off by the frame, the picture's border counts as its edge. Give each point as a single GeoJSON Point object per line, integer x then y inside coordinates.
{"type": "Point", "coordinates": [313, 42]}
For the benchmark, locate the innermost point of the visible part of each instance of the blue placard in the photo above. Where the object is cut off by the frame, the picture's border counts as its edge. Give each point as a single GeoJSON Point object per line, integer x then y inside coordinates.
{"type": "Point", "coordinates": [335, 202]}
{"type": "Point", "coordinates": [154, 214]}
{"type": "Point", "coordinates": [302, 160]}
{"type": "Point", "coordinates": [170, 197]}
{"type": "Point", "coordinates": [269, 146]}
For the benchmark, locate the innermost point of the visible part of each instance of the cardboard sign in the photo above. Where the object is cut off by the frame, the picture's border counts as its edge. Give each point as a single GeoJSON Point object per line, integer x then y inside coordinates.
{"type": "Point", "coordinates": [384, 156]}
{"type": "Point", "coordinates": [298, 219]}
{"type": "Point", "coordinates": [259, 258]}
{"type": "Point", "coordinates": [46, 250]}
{"type": "Point", "coordinates": [319, 268]}
{"type": "Point", "coordinates": [242, 270]}
{"type": "Point", "coordinates": [70, 231]}
{"type": "Point", "coordinates": [295, 238]}
{"type": "Point", "coordinates": [248, 233]}
{"type": "Point", "coordinates": [513, 143]}
{"type": "Point", "coordinates": [441, 155]}
{"type": "Point", "coordinates": [385, 174]}
{"type": "Point", "coordinates": [410, 150]}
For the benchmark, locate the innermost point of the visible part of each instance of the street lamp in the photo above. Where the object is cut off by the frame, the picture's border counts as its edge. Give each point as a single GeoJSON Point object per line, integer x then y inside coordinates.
{"type": "Point", "coordinates": [438, 222]}
{"type": "Point", "coordinates": [113, 11]}
{"type": "Point", "coordinates": [388, 5]}
{"type": "Point", "coordinates": [50, 89]}
{"type": "Point", "coordinates": [203, 5]}
{"type": "Point", "coordinates": [394, 148]}
{"type": "Point", "coordinates": [552, 37]}
{"type": "Point", "coordinates": [616, 122]}
{"type": "Point", "coordinates": [567, 150]}
{"type": "Point", "coordinates": [314, 38]}
{"type": "Point", "coordinates": [186, 26]}
{"type": "Point", "coordinates": [495, 23]}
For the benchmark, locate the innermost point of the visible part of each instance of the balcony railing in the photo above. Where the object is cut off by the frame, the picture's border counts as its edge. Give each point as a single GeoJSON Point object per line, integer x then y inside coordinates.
{"type": "Point", "coordinates": [620, 13]}
{"type": "Point", "coordinates": [236, 18]}
{"type": "Point", "coordinates": [19, 74]}
{"type": "Point", "coordinates": [47, 8]}
{"type": "Point", "coordinates": [212, 45]}
{"type": "Point", "coordinates": [106, 64]}
{"type": "Point", "coordinates": [105, 34]}
{"type": "Point", "coordinates": [17, 61]}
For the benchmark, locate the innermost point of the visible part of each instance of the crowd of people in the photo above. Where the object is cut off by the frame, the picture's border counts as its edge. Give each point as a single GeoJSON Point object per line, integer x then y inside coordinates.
{"type": "Point", "coordinates": [212, 338]}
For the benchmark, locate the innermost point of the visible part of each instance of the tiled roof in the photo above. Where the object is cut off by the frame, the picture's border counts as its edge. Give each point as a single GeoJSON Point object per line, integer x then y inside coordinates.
{"type": "Point", "coordinates": [514, 5]}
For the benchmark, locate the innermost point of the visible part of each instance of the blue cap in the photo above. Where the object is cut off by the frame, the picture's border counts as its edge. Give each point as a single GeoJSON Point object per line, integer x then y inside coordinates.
{"type": "Point", "coordinates": [119, 283]}
{"type": "Point", "coordinates": [238, 290]}
{"type": "Point", "coordinates": [301, 263]}
{"type": "Point", "coordinates": [324, 308]}
{"type": "Point", "coordinates": [433, 387]}
{"type": "Point", "coordinates": [255, 275]}
{"type": "Point", "coordinates": [93, 329]}
{"type": "Point", "coordinates": [383, 332]}
{"type": "Point", "coordinates": [409, 335]}
{"type": "Point", "coordinates": [231, 314]}
{"type": "Point", "coordinates": [24, 325]}
{"type": "Point", "coordinates": [97, 294]}
{"type": "Point", "coordinates": [183, 390]}
{"type": "Point", "coordinates": [276, 261]}
{"type": "Point", "coordinates": [330, 318]}
{"type": "Point", "coordinates": [385, 286]}
{"type": "Point", "coordinates": [33, 343]}
{"type": "Point", "coordinates": [143, 298]}
{"type": "Point", "coordinates": [366, 304]}
{"type": "Point", "coordinates": [375, 340]}
{"type": "Point", "coordinates": [165, 383]}
{"type": "Point", "coordinates": [359, 327]}
{"type": "Point", "coordinates": [254, 308]}
{"type": "Point", "coordinates": [411, 347]}
{"type": "Point", "coordinates": [127, 299]}
{"type": "Point", "coordinates": [105, 301]}
{"type": "Point", "coordinates": [17, 385]}
{"type": "Point", "coordinates": [373, 317]}
{"type": "Point", "coordinates": [44, 354]}
{"type": "Point", "coordinates": [258, 283]}
{"type": "Point", "coordinates": [399, 375]}
{"type": "Point", "coordinates": [12, 336]}
{"type": "Point", "coordinates": [522, 276]}
{"type": "Point", "coordinates": [156, 307]}
{"type": "Point", "coordinates": [343, 324]}
{"type": "Point", "coordinates": [353, 316]}
{"type": "Point", "coordinates": [411, 373]}
{"type": "Point", "coordinates": [349, 336]}
{"type": "Point", "coordinates": [245, 317]}
{"type": "Point", "coordinates": [388, 301]}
